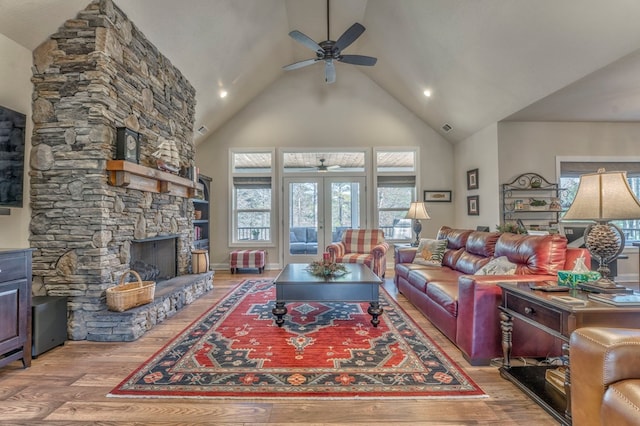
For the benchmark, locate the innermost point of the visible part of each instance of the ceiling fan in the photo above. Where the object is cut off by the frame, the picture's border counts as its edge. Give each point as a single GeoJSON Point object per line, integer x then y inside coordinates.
{"type": "Point", "coordinates": [324, 168]}
{"type": "Point", "coordinates": [330, 50]}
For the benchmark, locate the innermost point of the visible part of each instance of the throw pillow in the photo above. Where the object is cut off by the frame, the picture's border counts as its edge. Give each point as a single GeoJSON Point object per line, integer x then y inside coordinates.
{"type": "Point", "coordinates": [430, 252]}
{"type": "Point", "coordinates": [498, 266]}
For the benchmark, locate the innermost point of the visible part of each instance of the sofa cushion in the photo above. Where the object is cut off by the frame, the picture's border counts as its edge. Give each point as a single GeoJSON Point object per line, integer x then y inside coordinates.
{"type": "Point", "coordinates": [445, 294]}
{"type": "Point", "coordinates": [621, 403]}
{"type": "Point", "coordinates": [456, 238]}
{"type": "Point", "coordinates": [498, 266]}
{"type": "Point", "coordinates": [430, 252]}
{"type": "Point", "coordinates": [540, 255]}
{"type": "Point", "coordinates": [300, 234]}
{"type": "Point", "coordinates": [482, 243]}
{"type": "Point", "coordinates": [469, 263]}
{"type": "Point", "coordinates": [451, 257]}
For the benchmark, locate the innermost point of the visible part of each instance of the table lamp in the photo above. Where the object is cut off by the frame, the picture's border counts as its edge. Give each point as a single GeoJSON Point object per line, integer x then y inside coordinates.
{"type": "Point", "coordinates": [417, 211]}
{"type": "Point", "coordinates": [602, 197]}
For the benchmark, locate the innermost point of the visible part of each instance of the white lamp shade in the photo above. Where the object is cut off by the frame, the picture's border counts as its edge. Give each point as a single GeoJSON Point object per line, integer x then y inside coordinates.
{"type": "Point", "coordinates": [417, 211]}
{"type": "Point", "coordinates": [602, 197]}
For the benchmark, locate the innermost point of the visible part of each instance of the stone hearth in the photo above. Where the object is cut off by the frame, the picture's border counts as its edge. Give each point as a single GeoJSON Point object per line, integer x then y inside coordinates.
{"type": "Point", "coordinates": [98, 72]}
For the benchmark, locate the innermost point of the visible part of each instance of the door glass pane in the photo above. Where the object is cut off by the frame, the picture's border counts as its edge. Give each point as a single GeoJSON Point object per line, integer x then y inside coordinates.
{"type": "Point", "coordinates": [303, 218]}
{"type": "Point", "coordinates": [345, 208]}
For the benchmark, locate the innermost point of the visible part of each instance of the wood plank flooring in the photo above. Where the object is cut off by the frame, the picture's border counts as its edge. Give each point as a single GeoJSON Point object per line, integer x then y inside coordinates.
{"type": "Point", "coordinates": [68, 386]}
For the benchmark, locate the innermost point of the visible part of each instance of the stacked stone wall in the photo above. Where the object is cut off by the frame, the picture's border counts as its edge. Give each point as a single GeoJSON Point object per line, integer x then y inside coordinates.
{"type": "Point", "coordinates": [98, 72]}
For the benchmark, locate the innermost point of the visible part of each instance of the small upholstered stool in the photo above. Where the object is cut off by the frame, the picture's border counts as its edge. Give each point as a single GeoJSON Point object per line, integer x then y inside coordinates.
{"type": "Point", "coordinates": [247, 259]}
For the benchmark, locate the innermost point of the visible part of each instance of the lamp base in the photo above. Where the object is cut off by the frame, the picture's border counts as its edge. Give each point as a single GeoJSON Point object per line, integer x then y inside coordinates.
{"type": "Point", "coordinates": [603, 285]}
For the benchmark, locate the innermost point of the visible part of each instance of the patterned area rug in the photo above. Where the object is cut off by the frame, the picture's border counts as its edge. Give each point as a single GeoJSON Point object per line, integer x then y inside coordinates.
{"type": "Point", "coordinates": [323, 350]}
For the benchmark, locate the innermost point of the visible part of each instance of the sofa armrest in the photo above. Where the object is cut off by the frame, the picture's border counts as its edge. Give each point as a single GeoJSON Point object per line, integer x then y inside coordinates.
{"type": "Point", "coordinates": [405, 254]}
{"type": "Point", "coordinates": [598, 358]}
{"type": "Point", "coordinates": [479, 334]}
{"type": "Point", "coordinates": [336, 250]}
{"type": "Point", "coordinates": [380, 250]}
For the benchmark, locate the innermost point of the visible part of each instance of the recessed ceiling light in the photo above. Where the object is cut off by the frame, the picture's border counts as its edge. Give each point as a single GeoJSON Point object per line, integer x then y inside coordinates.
{"type": "Point", "coordinates": [427, 93]}
{"type": "Point", "coordinates": [223, 94]}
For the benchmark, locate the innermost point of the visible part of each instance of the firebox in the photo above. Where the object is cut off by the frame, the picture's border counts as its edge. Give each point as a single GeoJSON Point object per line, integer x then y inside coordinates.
{"type": "Point", "coordinates": [155, 258]}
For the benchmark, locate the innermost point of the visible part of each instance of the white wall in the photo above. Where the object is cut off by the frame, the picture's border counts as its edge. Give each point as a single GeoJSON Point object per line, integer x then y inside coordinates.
{"type": "Point", "coordinates": [479, 151]}
{"type": "Point", "coordinates": [15, 93]}
{"type": "Point", "coordinates": [533, 147]}
{"type": "Point", "coordinates": [301, 111]}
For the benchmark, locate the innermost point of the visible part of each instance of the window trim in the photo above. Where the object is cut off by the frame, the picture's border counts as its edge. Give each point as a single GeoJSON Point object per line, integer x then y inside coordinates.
{"type": "Point", "coordinates": [376, 175]}
{"type": "Point", "coordinates": [232, 224]}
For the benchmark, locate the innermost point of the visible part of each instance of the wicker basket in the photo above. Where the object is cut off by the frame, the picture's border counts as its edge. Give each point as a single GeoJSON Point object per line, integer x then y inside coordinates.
{"type": "Point", "coordinates": [129, 295]}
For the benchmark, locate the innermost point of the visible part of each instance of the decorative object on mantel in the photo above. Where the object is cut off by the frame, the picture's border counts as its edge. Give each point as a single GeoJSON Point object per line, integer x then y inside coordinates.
{"type": "Point", "coordinates": [126, 296]}
{"type": "Point", "coordinates": [167, 157]}
{"type": "Point", "coordinates": [127, 145]}
{"type": "Point", "coordinates": [326, 267]}
{"type": "Point", "coordinates": [602, 197]}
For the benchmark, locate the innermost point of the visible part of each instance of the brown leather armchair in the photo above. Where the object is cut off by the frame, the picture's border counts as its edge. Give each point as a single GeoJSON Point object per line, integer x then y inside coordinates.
{"type": "Point", "coordinates": [605, 376]}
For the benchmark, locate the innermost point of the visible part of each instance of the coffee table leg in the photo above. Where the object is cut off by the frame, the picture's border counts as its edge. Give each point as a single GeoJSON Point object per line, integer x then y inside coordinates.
{"type": "Point", "coordinates": [279, 311]}
{"type": "Point", "coordinates": [375, 310]}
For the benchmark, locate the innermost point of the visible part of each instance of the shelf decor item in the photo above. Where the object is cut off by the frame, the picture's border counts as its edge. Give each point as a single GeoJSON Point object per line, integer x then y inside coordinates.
{"type": "Point", "coordinates": [127, 145]}
{"type": "Point", "coordinates": [326, 267]}
{"type": "Point", "coordinates": [602, 197]}
{"type": "Point", "coordinates": [417, 212]}
{"type": "Point", "coordinates": [129, 295]}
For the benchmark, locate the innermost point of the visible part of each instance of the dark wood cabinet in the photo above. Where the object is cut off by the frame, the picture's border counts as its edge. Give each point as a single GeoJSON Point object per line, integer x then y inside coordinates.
{"type": "Point", "coordinates": [15, 306]}
{"type": "Point", "coordinates": [201, 215]}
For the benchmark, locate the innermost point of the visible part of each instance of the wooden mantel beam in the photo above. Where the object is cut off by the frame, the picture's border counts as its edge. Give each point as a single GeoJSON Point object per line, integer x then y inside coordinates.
{"type": "Point", "coordinates": [135, 176]}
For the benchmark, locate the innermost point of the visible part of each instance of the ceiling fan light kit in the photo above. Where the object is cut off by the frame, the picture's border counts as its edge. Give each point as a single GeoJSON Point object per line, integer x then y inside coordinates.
{"type": "Point", "coordinates": [330, 50]}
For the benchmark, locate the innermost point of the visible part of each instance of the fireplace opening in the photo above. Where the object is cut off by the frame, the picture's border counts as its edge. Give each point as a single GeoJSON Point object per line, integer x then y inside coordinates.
{"type": "Point", "coordinates": [155, 258]}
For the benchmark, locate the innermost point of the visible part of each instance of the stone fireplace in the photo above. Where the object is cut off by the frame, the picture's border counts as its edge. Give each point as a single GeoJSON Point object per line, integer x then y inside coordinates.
{"type": "Point", "coordinates": [91, 220]}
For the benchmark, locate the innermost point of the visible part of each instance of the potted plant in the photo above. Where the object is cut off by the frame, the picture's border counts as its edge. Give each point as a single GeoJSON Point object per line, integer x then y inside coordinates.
{"type": "Point", "coordinates": [255, 234]}
{"type": "Point", "coordinates": [511, 227]}
{"type": "Point", "coordinates": [537, 204]}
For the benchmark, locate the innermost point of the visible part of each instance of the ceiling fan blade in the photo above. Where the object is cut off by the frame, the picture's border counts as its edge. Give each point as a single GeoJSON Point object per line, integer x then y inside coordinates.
{"type": "Point", "coordinates": [349, 36]}
{"type": "Point", "coordinates": [300, 64]}
{"type": "Point", "coordinates": [329, 71]}
{"type": "Point", "coordinates": [334, 167]}
{"type": "Point", "coordinates": [306, 40]}
{"type": "Point", "coordinates": [358, 60]}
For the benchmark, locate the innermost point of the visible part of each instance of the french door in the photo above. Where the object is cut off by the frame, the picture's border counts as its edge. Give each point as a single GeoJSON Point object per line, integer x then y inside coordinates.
{"type": "Point", "coordinates": [318, 210]}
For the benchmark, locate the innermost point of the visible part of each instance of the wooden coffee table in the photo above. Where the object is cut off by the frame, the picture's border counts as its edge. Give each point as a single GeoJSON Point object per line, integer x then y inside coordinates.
{"type": "Point", "coordinates": [296, 284]}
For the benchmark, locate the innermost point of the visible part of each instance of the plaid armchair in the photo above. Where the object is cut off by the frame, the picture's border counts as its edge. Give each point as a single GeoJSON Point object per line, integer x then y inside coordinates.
{"type": "Point", "coordinates": [366, 246]}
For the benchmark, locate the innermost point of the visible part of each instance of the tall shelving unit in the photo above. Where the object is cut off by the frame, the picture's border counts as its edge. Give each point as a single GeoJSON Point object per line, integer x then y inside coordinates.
{"type": "Point", "coordinates": [532, 201]}
{"type": "Point", "coordinates": [201, 214]}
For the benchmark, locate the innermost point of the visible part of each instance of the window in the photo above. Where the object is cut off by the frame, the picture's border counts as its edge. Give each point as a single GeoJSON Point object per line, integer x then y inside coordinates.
{"type": "Point", "coordinates": [570, 172]}
{"type": "Point", "coordinates": [396, 189]}
{"type": "Point", "coordinates": [252, 197]}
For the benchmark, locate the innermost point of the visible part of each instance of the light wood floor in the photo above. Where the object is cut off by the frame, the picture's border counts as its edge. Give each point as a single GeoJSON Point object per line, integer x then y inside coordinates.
{"type": "Point", "coordinates": [68, 386]}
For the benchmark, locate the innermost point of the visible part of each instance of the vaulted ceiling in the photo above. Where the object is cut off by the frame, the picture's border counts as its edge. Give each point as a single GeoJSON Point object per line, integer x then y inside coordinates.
{"type": "Point", "coordinates": [483, 60]}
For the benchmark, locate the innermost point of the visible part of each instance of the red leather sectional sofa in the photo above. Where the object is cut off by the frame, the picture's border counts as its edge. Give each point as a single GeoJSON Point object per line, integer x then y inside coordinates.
{"type": "Point", "coordinates": [464, 306]}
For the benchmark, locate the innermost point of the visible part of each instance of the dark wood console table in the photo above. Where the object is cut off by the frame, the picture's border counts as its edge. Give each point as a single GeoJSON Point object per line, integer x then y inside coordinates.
{"type": "Point", "coordinates": [540, 310]}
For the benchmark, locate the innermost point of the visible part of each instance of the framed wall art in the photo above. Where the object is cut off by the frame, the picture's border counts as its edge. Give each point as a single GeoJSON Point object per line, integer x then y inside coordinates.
{"type": "Point", "coordinates": [473, 205]}
{"type": "Point", "coordinates": [472, 179]}
{"type": "Point", "coordinates": [437, 196]}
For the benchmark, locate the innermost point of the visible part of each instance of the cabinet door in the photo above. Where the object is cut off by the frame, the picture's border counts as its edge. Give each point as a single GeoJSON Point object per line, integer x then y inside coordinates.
{"type": "Point", "coordinates": [13, 315]}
